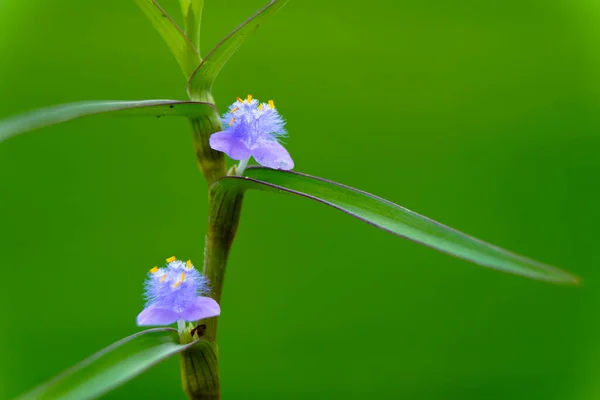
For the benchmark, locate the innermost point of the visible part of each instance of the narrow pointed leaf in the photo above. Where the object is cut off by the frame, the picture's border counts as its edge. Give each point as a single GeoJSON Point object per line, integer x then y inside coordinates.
{"type": "Point", "coordinates": [180, 45]}
{"type": "Point", "coordinates": [185, 5]}
{"type": "Point", "coordinates": [111, 367]}
{"type": "Point", "coordinates": [192, 16]}
{"type": "Point", "coordinates": [394, 219]}
{"type": "Point", "coordinates": [203, 78]}
{"type": "Point", "coordinates": [66, 112]}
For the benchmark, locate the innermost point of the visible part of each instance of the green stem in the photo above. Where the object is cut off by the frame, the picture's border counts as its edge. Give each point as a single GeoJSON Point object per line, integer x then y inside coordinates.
{"type": "Point", "coordinates": [223, 221]}
{"type": "Point", "coordinates": [200, 369]}
{"type": "Point", "coordinates": [211, 162]}
{"type": "Point", "coordinates": [200, 365]}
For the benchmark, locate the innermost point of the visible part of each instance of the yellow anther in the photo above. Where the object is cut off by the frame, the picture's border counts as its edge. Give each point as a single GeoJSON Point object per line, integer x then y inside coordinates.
{"type": "Point", "coordinates": [249, 98]}
{"type": "Point", "coordinates": [271, 104]}
{"type": "Point", "coordinates": [260, 107]}
{"type": "Point", "coordinates": [232, 121]}
{"type": "Point", "coordinates": [183, 277]}
{"type": "Point", "coordinates": [162, 279]}
{"type": "Point", "coordinates": [239, 99]}
{"type": "Point", "coordinates": [234, 110]}
{"type": "Point", "coordinates": [154, 270]}
{"type": "Point", "coordinates": [176, 284]}
{"type": "Point", "coordinates": [171, 259]}
{"type": "Point", "coordinates": [189, 264]}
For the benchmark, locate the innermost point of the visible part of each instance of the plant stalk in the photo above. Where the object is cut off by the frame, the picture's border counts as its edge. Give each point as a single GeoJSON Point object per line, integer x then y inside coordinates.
{"type": "Point", "coordinates": [199, 365]}
{"type": "Point", "coordinates": [211, 162]}
{"type": "Point", "coordinates": [223, 220]}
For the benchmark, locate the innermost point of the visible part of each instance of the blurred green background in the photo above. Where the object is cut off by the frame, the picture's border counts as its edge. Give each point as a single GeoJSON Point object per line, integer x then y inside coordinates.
{"type": "Point", "coordinates": [483, 115]}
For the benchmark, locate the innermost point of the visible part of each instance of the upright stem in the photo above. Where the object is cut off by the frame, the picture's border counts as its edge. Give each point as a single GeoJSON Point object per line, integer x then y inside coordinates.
{"type": "Point", "coordinates": [200, 368]}
{"type": "Point", "coordinates": [200, 364]}
{"type": "Point", "coordinates": [211, 162]}
{"type": "Point", "coordinates": [224, 208]}
{"type": "Point", "coordinates": [223, 221]}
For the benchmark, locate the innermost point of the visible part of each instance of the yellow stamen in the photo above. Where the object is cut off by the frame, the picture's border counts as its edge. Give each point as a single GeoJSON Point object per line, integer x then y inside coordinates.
{"type": "Point", "coordinates": [176, 284]}
{"type": "Point", "coordinates": [162, 279]}
{"type": "Point", "coordinates": [260, 107]}
{"type": "Point", "coordinates": [239, 99]}
{"type": "Point", "coordinates": [189, 264]}
{"type": "Point", "coordinates": [183, 277]}
{"type": "Point", "coordinates": [171, 259]}
{"type": "Point", "coordinates": [154, 270]}
{"type": "Point", "coordinates": [249, 98]}
{"type": "Point", "coordinates": [234, 110]}
{"type": "Point", "coordinates": [232, 121]}
{"type": "Point", "coordinates": [271, 104]}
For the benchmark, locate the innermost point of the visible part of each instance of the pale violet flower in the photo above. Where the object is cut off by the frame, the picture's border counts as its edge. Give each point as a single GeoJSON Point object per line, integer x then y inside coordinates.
{"type": "Point", "coordinates": [253, 129]}
{"type": "Point", "coordinates": [174, 293]}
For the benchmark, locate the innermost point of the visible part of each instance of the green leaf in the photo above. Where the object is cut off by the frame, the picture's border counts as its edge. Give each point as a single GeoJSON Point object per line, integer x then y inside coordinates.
{"type": "Point", "coordinates": [392, 218]}
{"type": "Point", "coordinates": [116, 364]}
{"type": "Point", "coordinates": [192, 16]}
{"type": "Point", "coordinates": [66, 112]}
{"type": "Point", "coordinates": [203, 78]}
{"type": "Point", "coordinates": [181, 46]}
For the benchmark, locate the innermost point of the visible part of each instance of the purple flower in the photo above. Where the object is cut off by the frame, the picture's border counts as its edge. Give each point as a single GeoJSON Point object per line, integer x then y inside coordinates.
{"type": "Point", "coordinates": [253, 129]}
{"type": "Point", "coordinates": [175, 293]}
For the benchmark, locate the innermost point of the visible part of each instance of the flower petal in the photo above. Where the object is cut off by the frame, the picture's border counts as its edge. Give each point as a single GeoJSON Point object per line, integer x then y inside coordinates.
{"type": "Point", "coordinates": [273, 155]}
{"type": "Point", "coordinates": [201, 308]}
{"type": "Point", "coordinates": [229, 143]}
{"type": "Point", "coordinates": [156, 316]}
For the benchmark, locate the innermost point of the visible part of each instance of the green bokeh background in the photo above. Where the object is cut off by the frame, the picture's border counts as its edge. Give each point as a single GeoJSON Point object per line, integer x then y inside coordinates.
{"type": "Point", "coordinates": [483, 115]}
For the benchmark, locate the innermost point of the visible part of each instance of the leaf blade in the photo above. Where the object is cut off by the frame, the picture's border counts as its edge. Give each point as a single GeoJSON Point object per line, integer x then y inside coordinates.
{"type": "Point", "coordinates": [111, 367]}
{"type": "Point", "coordinates": [192, 17]}
{"type": "Point", "coordinates": [180, 45]}
{"type": "Point", "coordinates": [203, 77]}
{"type": "Point", "coordinates": [395, 219]}
{"type": "Point", "coordinates": [66, 112]}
